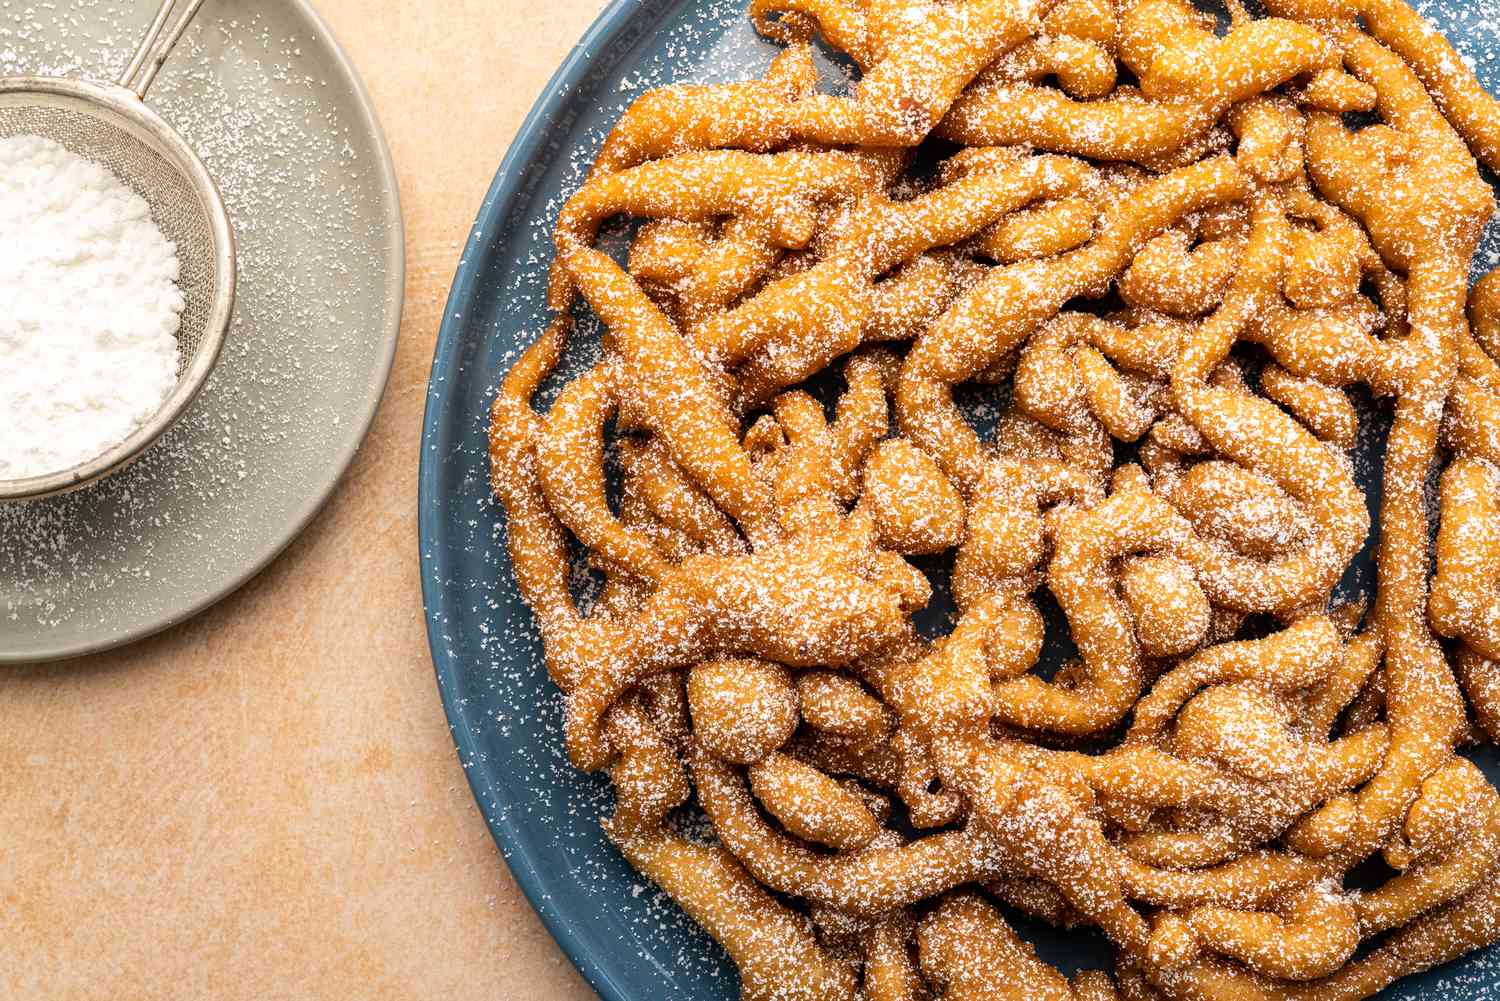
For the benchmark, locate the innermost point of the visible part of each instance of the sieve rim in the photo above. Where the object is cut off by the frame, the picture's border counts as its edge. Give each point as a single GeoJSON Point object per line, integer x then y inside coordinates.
{"type": "Point", "coordinates": [124, 107]}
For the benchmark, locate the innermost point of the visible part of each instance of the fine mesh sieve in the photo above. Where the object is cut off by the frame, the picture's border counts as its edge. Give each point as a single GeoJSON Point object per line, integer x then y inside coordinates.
{"type": "Point", "coordinates": [111, 125]}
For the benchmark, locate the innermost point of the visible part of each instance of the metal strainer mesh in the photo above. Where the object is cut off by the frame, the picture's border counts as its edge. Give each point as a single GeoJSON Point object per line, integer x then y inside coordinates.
{"type": "Point", "coordinates": [175, 204]}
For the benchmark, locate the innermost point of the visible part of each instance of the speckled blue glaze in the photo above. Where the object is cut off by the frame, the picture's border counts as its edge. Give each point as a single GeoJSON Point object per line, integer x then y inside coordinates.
{"type": "Point", "coordinates": [628, 940]}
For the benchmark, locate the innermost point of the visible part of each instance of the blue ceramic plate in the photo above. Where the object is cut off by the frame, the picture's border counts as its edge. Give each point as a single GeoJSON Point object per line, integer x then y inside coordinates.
{"type": "Point", "coordinates": [628, 940]}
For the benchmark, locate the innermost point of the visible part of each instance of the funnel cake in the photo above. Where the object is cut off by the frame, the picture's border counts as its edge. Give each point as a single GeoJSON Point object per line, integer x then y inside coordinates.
{"type": "Point", "coordinates": [1167, 288]}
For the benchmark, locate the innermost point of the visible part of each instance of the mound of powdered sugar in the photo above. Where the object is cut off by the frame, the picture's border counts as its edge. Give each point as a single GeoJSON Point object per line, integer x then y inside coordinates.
{"type": "Point", "coordinates": [89, 309]}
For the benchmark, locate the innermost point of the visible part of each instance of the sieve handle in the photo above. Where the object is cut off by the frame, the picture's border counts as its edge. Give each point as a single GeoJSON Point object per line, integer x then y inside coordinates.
{"type": "Point", "coordinates": [155, 48]}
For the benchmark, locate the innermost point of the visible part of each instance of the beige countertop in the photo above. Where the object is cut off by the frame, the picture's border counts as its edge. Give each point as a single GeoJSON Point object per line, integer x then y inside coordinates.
{"type": "Point", "coordinates": [265, 802]}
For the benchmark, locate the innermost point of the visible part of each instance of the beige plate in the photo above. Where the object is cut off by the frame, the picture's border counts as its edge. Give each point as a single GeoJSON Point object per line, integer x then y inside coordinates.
{"type": "Point", "coordinates": [261, 90]}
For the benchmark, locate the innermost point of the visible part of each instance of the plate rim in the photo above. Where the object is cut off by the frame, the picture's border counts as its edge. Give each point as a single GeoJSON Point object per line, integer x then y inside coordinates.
{"type": "Point", "coordinates": [504, 187]}
{"type": "Point", "coordinates": [394, 307]}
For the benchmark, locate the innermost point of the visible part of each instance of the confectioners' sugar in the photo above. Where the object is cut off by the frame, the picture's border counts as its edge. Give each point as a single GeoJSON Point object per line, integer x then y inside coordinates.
{"type": "Point", "coordinates": [89, 309]}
